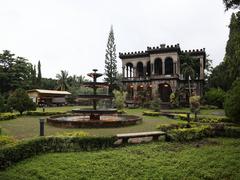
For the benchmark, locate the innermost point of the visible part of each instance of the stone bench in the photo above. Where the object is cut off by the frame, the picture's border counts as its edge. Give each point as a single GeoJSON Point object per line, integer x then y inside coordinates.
{"type": "Point", "coordinates": [154, 134]}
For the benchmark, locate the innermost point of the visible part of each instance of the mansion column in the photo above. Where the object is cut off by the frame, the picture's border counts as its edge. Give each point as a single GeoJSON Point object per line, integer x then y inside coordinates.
{"type": "Point", "coordinates": [152, 69]}
{"type": "Point", "coordinates": [127, 72]}
{"type": "Point", "coordinates": [134, 72]}
{"type": "Point", "coordinates": [174, 68]}
{"type": "Point", "coordinates": [123, 71]}
{"type": "Point", "coordinates": [201, 68]}
{"type": "Point", "coordinates": [163, 66]}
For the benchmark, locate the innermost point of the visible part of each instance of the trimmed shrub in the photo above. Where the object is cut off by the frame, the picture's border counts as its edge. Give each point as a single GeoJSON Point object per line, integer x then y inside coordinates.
{"type": "Point", "coordinates": [76, 134]}
{"type": "Point", "coordinates": [4, 140]}
{"type": "Point", "coordinates": [195, 105]}
{"type": "Point", "coordinates": [190, 134]}
{"type": "Point", "coordinates": [168, 127]}
{"type": "Point", "coordinates": [231, 131]}
{"type": "Point", "coordinates": [20, 101]}
{"type": "Point", "coordinates": [155, 104]}
{"type": "Point", "coordinates": [25, 149]}
{"type": "Point", "coordinates": [215, 96]}
{"type": "Point", "coordinates": [214, 119]}
{"type": "Point", "coordinates": [181, 133]}
{"type": "Point", "coordinates": [174, 99]}
{"type": "Point", "coordinates": [119, 98]}
{"type": "Point", "coordinates": [8, 116]}
{"type": "Point", "coordinates": [232, 102]}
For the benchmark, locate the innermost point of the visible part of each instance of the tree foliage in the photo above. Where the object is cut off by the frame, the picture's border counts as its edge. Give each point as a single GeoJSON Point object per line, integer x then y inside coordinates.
{"type": "Point", "coordinates": [232, 56]}
{"type": "Point", "coordinates": [62, 80]}
{"type": "Point", "coordinates": [195, 105]}
{"type": "Point", "coordinates": [189, 66]}
{"type": "Point", "coordinates": [119, 98]}
{"type": "Point", "coordinates": [15, 72]}
{"type": "Point", "coordinates": [111, 62]}
{"type": "Point", "coordinates": [2, 105]}
{"type": "Point", "coordinates": [155, 104]}
{"type": "Point", "coordinates": [231, 4]}
{"type": "Point", "coordinates": [217, 80]}
{"type": "Point", "coordinates": [20, 101]}
{"type": "Point", "coordinates": [39, 75]}
{"type": "Point", "coordinates": [215, 96]}
{"type": "Point", "coordinates": [228, 71]}
{"type": "Point", "coordinates": [48, 83]}
{"type": "Point", "coordinates": [232, 102]}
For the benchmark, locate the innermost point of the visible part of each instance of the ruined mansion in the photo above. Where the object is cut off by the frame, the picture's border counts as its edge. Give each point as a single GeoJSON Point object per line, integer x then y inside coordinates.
{"type": "Point", "coordinates": [157, 71]}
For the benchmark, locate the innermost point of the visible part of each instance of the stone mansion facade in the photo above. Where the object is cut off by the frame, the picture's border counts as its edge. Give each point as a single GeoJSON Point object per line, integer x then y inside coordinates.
{"type": "Point", "coordinates": [158, 72]}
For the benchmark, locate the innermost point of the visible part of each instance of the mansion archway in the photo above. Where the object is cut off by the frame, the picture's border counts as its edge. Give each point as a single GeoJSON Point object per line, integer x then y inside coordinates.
{"type": "Point", "coordinates": [165, 91]}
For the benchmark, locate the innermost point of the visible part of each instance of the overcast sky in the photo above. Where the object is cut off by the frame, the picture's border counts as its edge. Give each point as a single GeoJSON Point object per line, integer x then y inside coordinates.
{"type": "Point", "coordinates": [72, 34]}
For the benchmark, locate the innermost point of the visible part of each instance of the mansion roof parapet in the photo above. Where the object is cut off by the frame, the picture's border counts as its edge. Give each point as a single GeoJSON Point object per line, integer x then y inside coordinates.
{"type": "Point", "coordinates": [162, 49]}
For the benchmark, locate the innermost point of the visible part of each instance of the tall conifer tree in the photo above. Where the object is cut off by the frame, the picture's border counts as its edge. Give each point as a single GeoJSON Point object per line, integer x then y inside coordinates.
{"type": "Point", "coordinates": [232, 56]}
{"type": "Point", "coordinates": [111, 62]}
{"type": "Point", "coordinates": [39, 76]}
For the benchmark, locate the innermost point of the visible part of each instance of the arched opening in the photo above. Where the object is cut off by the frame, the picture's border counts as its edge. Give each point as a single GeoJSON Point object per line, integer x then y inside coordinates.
{"type": "Point", "coordinates": [197, 68]}
{"type": "Point", "coordinates": [148, 73]}
{"type": "Point", "coordinates": [168, 65]}
{"type": "Point", "coordinates": [129, 70]}
{"type": "Point", "coordinates": [140, 69]}
{"type": "Point", "coordinates": [130, 92]}
{"type": "Point", "coordinates": [158, 66]}
{"type": "Point", "coordinates": [164, 92]}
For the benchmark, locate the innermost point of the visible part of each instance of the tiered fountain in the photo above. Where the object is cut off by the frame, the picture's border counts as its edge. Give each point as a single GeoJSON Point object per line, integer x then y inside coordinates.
{"type": "Point", "coordinates": [94, 117]}
{"type": "Point", "coordinates": [95, 113]}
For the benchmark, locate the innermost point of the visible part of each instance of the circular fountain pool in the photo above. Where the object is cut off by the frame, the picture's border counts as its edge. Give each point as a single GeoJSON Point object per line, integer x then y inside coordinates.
{"type": "Point", "coordinates": [83, 121]}
{"type": "Point", "coordinates": [97, 118]}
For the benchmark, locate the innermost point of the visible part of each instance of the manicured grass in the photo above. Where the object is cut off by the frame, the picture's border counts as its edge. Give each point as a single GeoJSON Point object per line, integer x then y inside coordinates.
{"type": "Point", "coordinates": [206, 159]}
{"type": "Point", "coordinates": [28, 126]}
{"type": "Point", "coordinates": [203, 112]}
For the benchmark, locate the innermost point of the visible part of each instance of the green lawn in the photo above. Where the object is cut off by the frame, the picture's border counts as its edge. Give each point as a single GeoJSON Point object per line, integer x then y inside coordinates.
{"type": "Point", "coordinates": [28, 126]}
{"type": "Point", "coordinates": [206, 159]}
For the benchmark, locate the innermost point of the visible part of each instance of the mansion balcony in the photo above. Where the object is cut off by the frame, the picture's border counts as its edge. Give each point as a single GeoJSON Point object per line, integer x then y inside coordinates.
{"type": "Point", "coordinates": [152, 77]}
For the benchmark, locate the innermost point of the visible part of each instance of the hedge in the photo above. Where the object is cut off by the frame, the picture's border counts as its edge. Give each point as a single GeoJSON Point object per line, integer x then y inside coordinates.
{"type": "Point", "coordinates": [4, 140]}
{"type": "Point", "coordinates": [168, 127]}
{"type": "Point", "coordinates": [204, 119]}
{"type": "Point", "coordinates": [151, 113]}
{"type": "Point", "coordinates": [213, 120]}
{"type": "Point", "coordinates": [179, 132]}
{"type": "Point", "coordinates": [25, 149]}
{"type": "Point", "coordinates": [189, 134]}
{"type": "Point", "coordinates": [8, 116]}
{"type": "Point", "coordinates": [232, 132]}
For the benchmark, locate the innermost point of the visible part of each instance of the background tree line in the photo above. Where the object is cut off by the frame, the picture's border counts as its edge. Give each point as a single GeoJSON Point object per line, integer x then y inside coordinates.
{"type": "Point", "coordinates": [223, 84]}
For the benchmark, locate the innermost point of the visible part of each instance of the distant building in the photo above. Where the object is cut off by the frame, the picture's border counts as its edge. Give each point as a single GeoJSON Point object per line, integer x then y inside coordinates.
{"type": "Point", "coordinates": [48, 97]}
{"type": "Point", "coordinates": [158, 71]}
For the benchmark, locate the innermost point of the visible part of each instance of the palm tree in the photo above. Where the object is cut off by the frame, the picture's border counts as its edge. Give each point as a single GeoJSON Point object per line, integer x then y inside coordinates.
{"type": "Point", "coordinates": [81, 79]}
{"type": "Point", "coordinates": [62, 80]}
{"type": "Point", "coordinates": [188, 66]}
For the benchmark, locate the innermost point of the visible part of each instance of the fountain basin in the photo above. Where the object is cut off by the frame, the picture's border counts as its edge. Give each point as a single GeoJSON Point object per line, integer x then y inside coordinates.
{"type": "Point", "coordinates": [98, 111]}
{"type": "Point", "coordinates": [83, 121]}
